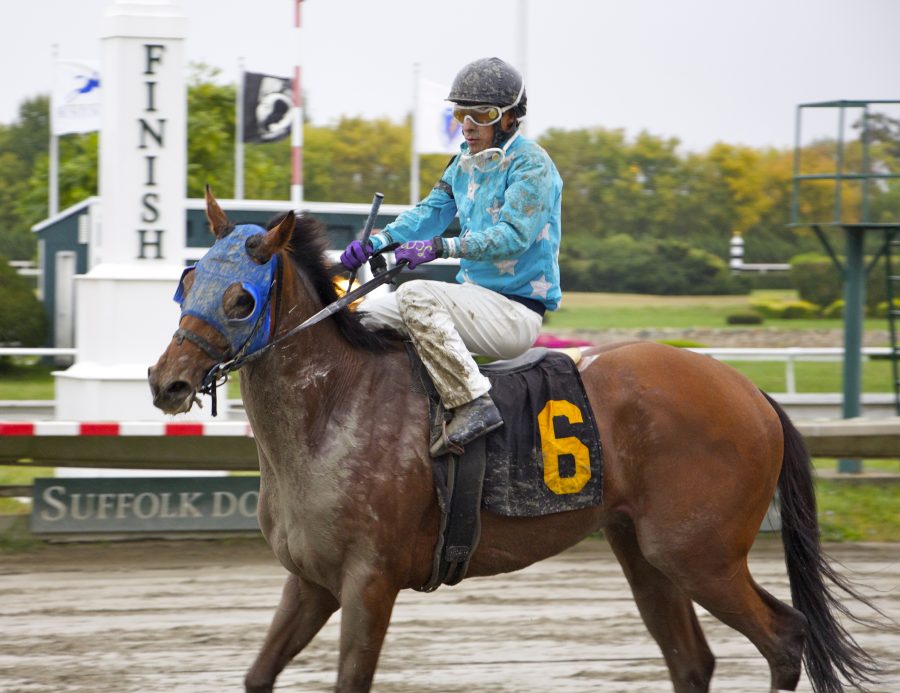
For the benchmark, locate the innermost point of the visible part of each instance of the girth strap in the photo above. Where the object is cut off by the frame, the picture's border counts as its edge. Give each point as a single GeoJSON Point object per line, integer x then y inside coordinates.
{"type": "Point", "coordinates": [458, 485]}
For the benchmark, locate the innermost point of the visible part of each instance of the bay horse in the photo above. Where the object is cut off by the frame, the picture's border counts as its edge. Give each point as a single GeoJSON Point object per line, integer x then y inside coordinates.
{"type": "Point", "coordinates": [693, 455]}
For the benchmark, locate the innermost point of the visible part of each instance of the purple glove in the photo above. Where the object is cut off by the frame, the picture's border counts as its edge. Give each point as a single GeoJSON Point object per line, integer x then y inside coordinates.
{"type": "Point", "coordinates": [355, 255]}
{"type": "Point", "coordinates": [419, 252]}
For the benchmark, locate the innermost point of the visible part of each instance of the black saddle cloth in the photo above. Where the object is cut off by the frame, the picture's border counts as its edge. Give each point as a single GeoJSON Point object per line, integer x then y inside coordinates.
{"type": "Point", "coordinates": [547, 456]}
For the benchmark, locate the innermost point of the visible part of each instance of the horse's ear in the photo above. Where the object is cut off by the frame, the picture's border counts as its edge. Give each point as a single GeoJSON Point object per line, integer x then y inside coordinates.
{"type": "Point", "coordinates": [278, 238]}
{"type": "Point", "coordinates": [218, 222]}
{"type": "Point", "coordinates": [263, 246]}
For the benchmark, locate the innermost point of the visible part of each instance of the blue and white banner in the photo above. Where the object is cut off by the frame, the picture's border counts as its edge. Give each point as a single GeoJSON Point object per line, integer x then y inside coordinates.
{"type": "Point", "coordinates": [436, 131]}
{"type": "Point", "coordinates": [75, 103]}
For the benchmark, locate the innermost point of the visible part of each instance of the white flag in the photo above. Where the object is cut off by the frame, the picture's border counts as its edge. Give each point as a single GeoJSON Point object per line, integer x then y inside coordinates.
{"type": "Point", "coordinates": [75, 105]}
{"type": "Point", "coordinates": [436, 131]}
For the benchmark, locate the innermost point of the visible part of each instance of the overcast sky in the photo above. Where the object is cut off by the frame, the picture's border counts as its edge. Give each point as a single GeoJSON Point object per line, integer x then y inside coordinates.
{"type": "Point", "coordinates": [699, 70]}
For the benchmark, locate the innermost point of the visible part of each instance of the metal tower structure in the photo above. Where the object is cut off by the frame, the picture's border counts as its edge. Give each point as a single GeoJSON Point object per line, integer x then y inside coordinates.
{"type": "Point", "coordinates": [853, 168]}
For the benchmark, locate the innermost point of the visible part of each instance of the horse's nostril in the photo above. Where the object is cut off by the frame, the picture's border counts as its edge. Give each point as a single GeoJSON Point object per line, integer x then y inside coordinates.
{"type": "Point", "coordinates": [174, 397]}
{"type": "Point", "coordinates": [177, 390]}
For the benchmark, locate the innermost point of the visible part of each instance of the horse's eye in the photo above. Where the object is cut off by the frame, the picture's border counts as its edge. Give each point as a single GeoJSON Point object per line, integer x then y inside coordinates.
{"type": "Point", "coordinates": [238, 303]}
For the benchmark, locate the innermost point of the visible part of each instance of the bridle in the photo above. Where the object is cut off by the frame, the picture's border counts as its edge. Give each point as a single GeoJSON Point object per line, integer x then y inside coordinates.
{"type": "Point", "coordinates": [218, 374]}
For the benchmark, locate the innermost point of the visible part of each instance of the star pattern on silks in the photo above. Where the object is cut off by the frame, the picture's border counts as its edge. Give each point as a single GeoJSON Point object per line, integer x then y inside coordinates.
{"type": "Point", "coordinates": [473, 186]}
{"type": "Point", "coordinates": [540, 287]}
{"type": "Point", "coordinates": [544, 235]}
{"type": "Point", "coordinates": [494, 211]}
{"type": "Point", "coordinates": [506, 266]}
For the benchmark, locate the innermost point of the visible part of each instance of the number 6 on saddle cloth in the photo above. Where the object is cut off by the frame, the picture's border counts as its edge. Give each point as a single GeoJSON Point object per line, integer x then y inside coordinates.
{"type": "Point", "coordinates": [545, 459]}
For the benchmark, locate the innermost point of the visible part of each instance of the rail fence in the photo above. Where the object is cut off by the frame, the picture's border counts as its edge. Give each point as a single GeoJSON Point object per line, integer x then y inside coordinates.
{"type": "Point", "coordinates": [790, 356]}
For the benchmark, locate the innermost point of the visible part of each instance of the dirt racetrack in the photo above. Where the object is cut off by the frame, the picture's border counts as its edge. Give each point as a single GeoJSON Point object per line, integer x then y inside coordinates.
{"type": "Point", "coordinates": [188, 616]}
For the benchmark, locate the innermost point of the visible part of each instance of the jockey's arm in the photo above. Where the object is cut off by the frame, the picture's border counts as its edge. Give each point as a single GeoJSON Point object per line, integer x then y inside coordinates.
{"type": "Point", "coordinates": [429, 218]}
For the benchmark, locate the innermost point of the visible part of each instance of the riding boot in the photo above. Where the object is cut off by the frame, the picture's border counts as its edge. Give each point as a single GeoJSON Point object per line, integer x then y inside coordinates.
{"type": "Point", "coordinates": [470, 420]}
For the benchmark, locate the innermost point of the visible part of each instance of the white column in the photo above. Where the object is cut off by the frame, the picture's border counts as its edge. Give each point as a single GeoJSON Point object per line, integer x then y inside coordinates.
{"type": "Point", "coordinates": [522, 31]}
{"type": "Point", "coordinates": [297, 122]}
{"type": "Point", "coordinates": [124, 312]}
{"type": "Point", "coordinates": [736, 251]}
{"type": "Point", "coordinates": [414, 152]}
{"type": "Point", "coordinates": [53, 183]}
{"type": "Point", "coordinates": [239, 133]}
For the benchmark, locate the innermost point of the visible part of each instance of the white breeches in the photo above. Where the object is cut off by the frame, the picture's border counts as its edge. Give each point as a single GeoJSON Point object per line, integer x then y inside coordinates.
{"type": "Point", "coordinates": [448, 323]}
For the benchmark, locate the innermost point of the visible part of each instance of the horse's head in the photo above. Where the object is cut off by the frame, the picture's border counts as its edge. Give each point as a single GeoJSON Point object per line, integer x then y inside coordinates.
{"type": "Point", "coordinates": [226, 309]}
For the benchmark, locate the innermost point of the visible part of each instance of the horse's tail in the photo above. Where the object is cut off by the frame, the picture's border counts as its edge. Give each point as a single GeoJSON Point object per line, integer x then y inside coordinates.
{"type": "Point", "coordinates": [831, 654]}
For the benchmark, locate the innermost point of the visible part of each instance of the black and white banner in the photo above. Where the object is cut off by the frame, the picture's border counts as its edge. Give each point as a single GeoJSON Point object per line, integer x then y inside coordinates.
{"type": "Point", "coordinates": [268, 104]}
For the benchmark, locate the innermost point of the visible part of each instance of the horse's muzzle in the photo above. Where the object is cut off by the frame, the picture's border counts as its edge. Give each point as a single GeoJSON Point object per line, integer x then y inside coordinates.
{"type": "Point", "coordinates": [173, 397]}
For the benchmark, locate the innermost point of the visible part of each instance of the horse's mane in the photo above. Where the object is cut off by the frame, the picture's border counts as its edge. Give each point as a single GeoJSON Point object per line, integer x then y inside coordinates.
{"type": "Point", "coordinates": [307, 249]}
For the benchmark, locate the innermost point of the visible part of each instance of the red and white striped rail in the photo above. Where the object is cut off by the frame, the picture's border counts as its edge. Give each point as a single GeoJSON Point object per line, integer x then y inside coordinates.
{"type": "Point", "coordinates": [125, 428]}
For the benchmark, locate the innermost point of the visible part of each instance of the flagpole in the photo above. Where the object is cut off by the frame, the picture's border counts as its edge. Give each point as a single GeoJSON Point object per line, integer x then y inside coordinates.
{"type": "Point", "coordinates": [53, 191]}
{"type": "Point", "coordinates": [297, 126]}
{"type": "Point", "coordinates": [523, 51]}
{"type": "Point", "coordinates": [239, 134]}
{"type": "Point", "coordinates": [414, 153]}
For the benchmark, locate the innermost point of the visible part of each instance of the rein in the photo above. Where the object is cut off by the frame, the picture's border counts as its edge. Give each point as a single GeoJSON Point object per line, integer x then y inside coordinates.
{"type": "Point", "coordinates": [218, 374]}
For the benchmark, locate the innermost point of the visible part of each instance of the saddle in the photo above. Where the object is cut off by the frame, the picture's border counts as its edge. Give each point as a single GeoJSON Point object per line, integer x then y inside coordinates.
{"type": "Point", "coordinates": [546, 458]}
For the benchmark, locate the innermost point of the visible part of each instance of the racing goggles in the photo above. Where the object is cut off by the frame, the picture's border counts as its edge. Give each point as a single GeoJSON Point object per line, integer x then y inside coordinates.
{"type": "Point", "coordinates": [486, 160]}
{"type": "Point", "coordinates": [484, 115]}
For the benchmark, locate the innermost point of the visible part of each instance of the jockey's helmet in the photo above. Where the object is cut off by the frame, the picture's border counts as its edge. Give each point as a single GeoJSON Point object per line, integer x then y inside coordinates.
{"type": "Point", "coordinates": [490, 81]}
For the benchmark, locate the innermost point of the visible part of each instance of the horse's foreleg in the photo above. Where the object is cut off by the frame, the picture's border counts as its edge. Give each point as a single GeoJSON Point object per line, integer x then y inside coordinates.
{"type": "Point", "coordinates": [667, 612]}
{"type": "Point", "coordinates": [366, 605]}
{"type": "Point", "coordinates": [303, 610]}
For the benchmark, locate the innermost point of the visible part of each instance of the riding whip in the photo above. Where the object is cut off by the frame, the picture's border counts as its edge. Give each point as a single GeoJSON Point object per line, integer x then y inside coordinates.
{"type": "Point", "coordinates": [367, 229]}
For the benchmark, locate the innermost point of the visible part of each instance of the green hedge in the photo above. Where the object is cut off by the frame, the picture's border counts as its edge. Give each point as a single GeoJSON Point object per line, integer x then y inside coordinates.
{"type": "Point", "coordinates": [744, 319]}
{"type": "Point", "coordinates": [786, 310]}
{"type": "Point", "coordinates": [835, 309]}
{"type": "Point", "coordinates": [881, 310]}
{"type": "Point", "coordinates": [22, 318]}
{"type": "Point", "coordinates": [817, 280]}
{"type": "Point", "coordinates": [623, 264]}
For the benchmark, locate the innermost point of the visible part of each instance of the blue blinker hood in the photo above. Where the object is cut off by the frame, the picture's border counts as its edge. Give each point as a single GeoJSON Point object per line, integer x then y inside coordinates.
{"type": "Point", "coordinates": [227, 263]}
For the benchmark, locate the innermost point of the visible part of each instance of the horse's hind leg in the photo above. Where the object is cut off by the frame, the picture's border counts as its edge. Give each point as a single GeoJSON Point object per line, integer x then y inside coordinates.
{"type": "Point", "coordinates": [303, 610]}
{"type": "Point", "coordinates": [777, 630]}
{"type": "Point", "coordinates": [667, 612]}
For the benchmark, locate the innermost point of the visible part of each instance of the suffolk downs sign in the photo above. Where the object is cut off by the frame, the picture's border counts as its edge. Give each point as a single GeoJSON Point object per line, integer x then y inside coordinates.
{"type": "Point", "coordinates": [156, 504]}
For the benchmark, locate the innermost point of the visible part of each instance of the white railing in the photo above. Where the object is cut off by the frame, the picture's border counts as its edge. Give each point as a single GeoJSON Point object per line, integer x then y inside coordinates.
{"type": "Point", "coordinates": [40, 351]}
{"type": "Point", "coordinates": [789, 355]}
{"type": "Point", "coordinates": [25, 268]}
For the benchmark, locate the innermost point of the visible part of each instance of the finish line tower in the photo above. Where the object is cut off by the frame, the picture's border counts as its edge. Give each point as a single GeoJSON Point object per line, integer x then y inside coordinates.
{"type": "Point", "coordinates": [124, 315]}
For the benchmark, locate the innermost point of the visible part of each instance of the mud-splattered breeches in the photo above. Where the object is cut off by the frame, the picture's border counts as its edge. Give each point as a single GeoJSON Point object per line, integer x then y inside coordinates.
{"type": "Point", "coordinates": [448, 323]}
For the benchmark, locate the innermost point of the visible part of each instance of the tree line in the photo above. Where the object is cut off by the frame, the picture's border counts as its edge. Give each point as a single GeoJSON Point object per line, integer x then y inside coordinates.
{"type": "Point", "coordinates": [638, 213]}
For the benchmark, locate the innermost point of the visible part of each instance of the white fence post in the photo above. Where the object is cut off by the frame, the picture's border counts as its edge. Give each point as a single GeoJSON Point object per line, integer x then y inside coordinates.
{"type": "Point", "coordinates": [789, 375]}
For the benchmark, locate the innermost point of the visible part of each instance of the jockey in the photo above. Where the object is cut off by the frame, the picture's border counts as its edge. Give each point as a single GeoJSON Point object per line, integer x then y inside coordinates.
{"type": "Point", "coordinates": [507, 193]}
